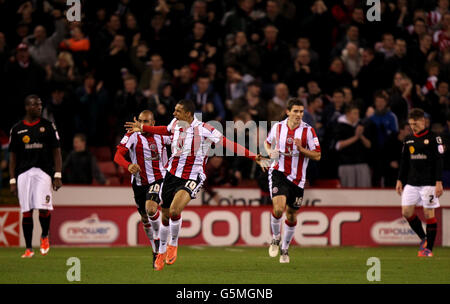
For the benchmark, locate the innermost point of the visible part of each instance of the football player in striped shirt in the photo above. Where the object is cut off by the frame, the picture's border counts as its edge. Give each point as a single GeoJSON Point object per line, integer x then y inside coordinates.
{"type": "Point", "coordinates": [148, 156]}
{"type": "Point", "coordinates": [291, 143]}
{"type": "Point", "coordinates": [191, 143]}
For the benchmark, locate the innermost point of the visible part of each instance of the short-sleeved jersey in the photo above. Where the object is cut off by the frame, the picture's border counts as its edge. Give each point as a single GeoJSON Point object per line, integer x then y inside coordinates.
{"type": "Point", "coordinates": [33, 145]}
{"type": "Point", "coordinates": [422, 159]}
{"type": "Point", "coordinates": [150, 153]}
{"type": "Point", "coordinates": [291, 162]}
{"type": "Point", "coordinates": [190, 146]}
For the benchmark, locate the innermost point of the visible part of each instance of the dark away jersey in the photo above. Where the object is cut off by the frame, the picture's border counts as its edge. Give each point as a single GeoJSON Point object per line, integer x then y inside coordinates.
{"type": "Point", "coordinates": [422, 159]}
{"type": "Point", "coordinates": [33, 145]}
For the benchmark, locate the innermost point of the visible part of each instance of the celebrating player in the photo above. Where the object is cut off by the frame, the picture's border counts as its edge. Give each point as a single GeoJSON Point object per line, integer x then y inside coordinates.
{"type": "Point", "coordinates": [291, 143]}
{"type": "Point", "coordinates": [421, 169]}
{"type": "Point", "coordinates": [148, 158]}
{"type": "Point", "coordinates": [185, 171]}
{"type": "Point", "coordinates": [35, 156]}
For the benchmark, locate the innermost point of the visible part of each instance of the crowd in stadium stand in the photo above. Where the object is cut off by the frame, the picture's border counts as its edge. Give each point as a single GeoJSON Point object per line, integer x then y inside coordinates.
{"type": "Point", "coordinates": [238, 61]}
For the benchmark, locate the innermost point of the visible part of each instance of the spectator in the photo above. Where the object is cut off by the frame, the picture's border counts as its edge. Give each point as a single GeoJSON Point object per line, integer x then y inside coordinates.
{"type": "Point", "coordinates": [335, 109]}
{"type": "Point", "coordinates": [64, 72]}
{"type": "Point", "coordinates": [352, 35]}
{"type": "Point", "coordinates": [420, 55]}
{"type": "Point", "coordinates": [80, 166]}
{"type": "Point", "coordinates": [302, 71]}
{"type": "Point", "coordinates": [251, 103]}
{"type": "Point", "coordinates": [115, 64]}
{"type": "Point", "coordinates": [399, 62]}
{"type": "Point", "coordinates": [391, 155]}
{"type": "Point", "coordinates": [273, 16]}
{"type": "Point", "coordinates": [4, 155]}
{"type": "Point", "coordinates": [336, 77]}
{"type": "Point", "coordinates": [236, 84]}
{"type": "Point", "coordinates": [59, 109]}
{"type": "Point", "coordinates": [22, 78]}
{"type": "Point", "coordinates": [303, 43]}
{"type": "Point", "coordinates": [240, 19]}
{"type": "Point", "coordinates": [386, 46]}
{"type": "Point", "coordinates": [43, 49]}
{"type": "Point", "coordinates": [128, 103]}
{"type": "Point", "coordinates": [206, 100]}
{"type": "Point", "coordinates": [153, 76]}
{"type": "Point", "coordinates": [163, 104]}
{"type": "Point", "coordinates": [243, 54]}
{"type": "Point", "coordinates": [352, 59]}
{"type": "Point", "coordinates": [92, 103]}
{"type": "Point", "coordinates": [182, 82]}
{"type": "Point", "coordinates": [77, 43]}
{"type": "Point", "coordinates": [139, 54]}
{"type": "Point", "coordinates": [441, 38]}
{"type": "Point", "coordinates": [277, 106]}
{"type": "Point", "coordinates": [313, 114]}
{"type": "Point", "coordinates": [439, 101]}
{"type": "Point", "coordinates": [275, 55]}
{"type": "Point", "coordinates": [386, 124]}
{"type": "Point", "coordinates": [368, 78]}
{"type": "Point", "coordinates": [352, 146]}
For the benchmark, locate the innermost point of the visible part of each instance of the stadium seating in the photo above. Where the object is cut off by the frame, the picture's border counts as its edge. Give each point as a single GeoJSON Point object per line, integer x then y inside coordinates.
{"type": "Point", "coordinates": [102, 154]}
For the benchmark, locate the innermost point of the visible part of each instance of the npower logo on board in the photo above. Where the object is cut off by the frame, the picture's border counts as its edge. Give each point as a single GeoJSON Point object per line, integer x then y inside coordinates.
{"type": "Point", "coordinates": [89, 230]}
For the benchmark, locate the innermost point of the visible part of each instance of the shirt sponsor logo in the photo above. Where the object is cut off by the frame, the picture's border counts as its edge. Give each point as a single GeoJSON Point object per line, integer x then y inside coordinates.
{"type": "Point", "coordinates": [90, 230]}
{"type": "Point", "coordinates": [419, 156]}
{"type": "Point", "coordinates": [34, 146]}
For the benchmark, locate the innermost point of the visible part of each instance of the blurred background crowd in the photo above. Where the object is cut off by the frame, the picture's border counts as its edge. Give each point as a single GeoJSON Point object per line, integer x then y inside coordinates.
{"type": "Point", "coordinates": [238, 61]}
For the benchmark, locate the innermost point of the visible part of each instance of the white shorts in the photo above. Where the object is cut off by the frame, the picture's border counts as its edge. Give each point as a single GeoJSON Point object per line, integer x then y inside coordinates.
{"type": "Point", "coordinates": [420, 196]}
{"type": "Point", "coordinates": [34, 187]}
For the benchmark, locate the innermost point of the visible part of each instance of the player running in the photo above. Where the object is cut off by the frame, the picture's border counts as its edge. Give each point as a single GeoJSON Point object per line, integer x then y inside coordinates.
{"type": "Point", "coordinates": [421, 169]}
{"type": "Point", "coordinates": [291, 143]}
{"type": "Point", "coordinates": [148, 156]}
{"type": "Point", "coordinates": [191, 142]}
{"type": "Point", "coordinates": [35, 156]}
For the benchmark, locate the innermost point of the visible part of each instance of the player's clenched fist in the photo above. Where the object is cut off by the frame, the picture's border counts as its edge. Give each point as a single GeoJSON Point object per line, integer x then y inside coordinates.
{"type": "Point", "coordinates": [134, 168]}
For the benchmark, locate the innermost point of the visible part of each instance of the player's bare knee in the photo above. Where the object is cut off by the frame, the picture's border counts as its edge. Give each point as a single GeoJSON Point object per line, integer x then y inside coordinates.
{"type": "Point", "coordinates": [406, 213]}
{"type": "Point", "coordinates": [151, 208]}
{"type": "Point", "coordinates": [277, 212]}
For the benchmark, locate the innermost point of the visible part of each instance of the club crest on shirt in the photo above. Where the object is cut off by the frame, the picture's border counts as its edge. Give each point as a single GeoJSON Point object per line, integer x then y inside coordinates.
{"type": "Point", "coordinates": [411, 149]}
{"type": "Point", "coordinates": [289, 140]}
{"type": "Point", "coordinates": [153, 147]}
{"type": "Point", "coordinates": [26, 139]}
{"type": "Point", "coordinates": [42, 129]}
{"type": "Point", "coordinates": [426, 141]}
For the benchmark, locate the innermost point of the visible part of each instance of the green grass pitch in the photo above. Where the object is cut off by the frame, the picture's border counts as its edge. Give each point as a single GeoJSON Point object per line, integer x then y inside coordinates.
{"type": "Point", "coordinates": [227, 265]}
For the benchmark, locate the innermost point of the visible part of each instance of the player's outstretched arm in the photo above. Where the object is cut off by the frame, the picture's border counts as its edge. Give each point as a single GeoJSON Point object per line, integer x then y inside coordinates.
{"type": "Point", "coordinates": [136, 126]}
{"type": "Point", "coordinates": [262, 161]}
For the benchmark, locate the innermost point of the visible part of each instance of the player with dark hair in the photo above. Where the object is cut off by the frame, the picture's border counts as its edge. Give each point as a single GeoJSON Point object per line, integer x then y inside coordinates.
{"type": "Point", "coordinates": [35, 156]}
{"type": "Point", "coordinates": [290, 143]}
{"type": "Point", "coordinates": [148, 155]}
{"type": "Point", "coordinates": [420, 170]}
{"type": "Point", "coordinates": [191, 142]}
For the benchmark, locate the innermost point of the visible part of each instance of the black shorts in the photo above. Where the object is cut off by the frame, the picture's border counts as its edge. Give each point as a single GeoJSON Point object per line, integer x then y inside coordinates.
{"type": "Point", "coordinates": [146, 192]}
{"type": "Point", "coordinates": [280, 185]}
{"type": "Point", "coordinates": [172, 184]}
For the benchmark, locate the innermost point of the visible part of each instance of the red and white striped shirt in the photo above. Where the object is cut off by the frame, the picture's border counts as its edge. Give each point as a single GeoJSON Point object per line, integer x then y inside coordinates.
{"type": "Point", "coordinates": [291, 162]}
{"type": "Point", "coordinates": [150, 153]}
{"type": "Point", "coordinates": [190, 146]}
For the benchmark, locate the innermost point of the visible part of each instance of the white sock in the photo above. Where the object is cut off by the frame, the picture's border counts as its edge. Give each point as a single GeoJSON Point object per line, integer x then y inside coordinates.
{"type": "Point", "coordinates": [287, 235]}
{"type": "Point", "coordinates": [276, 226]}
{"type": "Point", "coordinates": [163, 234]}
{"type": "Point", "coordinates": [149, 232]}
{"type": "Point", "coordinates": [156, 223]}
{"type": "Point", "coordinates": [174, 231]}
